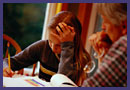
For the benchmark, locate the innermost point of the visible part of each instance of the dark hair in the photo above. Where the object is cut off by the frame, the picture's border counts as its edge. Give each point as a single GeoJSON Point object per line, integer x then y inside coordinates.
{"type": "Point", "coordinates": [81, 56]}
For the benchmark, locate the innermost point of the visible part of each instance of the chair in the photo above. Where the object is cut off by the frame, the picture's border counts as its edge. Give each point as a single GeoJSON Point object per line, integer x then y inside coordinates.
{"type": "Point", "coordinates": [12, 42]}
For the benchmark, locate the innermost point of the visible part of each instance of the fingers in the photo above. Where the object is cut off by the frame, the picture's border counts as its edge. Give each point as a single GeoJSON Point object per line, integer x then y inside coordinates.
{"type": "Point", "coordinates": [63, 28]}
{"type": "Point", "coordinates": [71, 29]}
{"type": "Point", "coordinates": [98, 43]}
{"type": "Point", "coordinates": [65, 32]}
{"type": "Point", "coordinates": [59, 31]}
{"type": "Point", "coordinates": [66, 28]}
{"type": "Point", "coordinates": [7, 72]}
{"type": "Point", "coordinates": [93, 41]}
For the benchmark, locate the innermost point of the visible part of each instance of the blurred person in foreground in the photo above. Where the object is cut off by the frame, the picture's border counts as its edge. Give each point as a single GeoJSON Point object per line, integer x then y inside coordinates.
{"type": "Point", "coordinates": [111, 46]}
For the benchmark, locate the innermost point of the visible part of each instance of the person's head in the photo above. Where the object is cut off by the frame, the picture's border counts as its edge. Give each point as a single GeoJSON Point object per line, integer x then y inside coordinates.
{"type": "Point", "coordinates": [71, 20]}
{"type": "Point", "coordinates": [114, 19]}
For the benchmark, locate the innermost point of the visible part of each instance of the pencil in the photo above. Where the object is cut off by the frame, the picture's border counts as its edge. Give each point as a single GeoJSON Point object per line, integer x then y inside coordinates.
{"type": "Point", "coordinates": [8, 44]}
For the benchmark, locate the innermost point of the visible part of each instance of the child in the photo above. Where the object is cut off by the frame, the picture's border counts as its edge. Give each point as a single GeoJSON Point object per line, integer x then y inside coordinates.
{"type": "Point", "coordinates": [63, 45]}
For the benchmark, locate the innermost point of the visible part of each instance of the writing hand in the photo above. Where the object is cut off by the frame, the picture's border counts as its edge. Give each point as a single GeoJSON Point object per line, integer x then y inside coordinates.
{"type": "Point", "coordinates": [7, 72]}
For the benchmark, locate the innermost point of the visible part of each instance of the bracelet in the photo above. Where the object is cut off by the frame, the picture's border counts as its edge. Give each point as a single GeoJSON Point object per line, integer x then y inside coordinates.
{"type": "Point", "coordinates": [89, 69]}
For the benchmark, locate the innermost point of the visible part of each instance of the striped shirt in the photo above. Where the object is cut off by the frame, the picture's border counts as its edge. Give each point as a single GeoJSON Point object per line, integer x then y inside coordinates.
{"type": "Point", "coordinates": [113, 70]}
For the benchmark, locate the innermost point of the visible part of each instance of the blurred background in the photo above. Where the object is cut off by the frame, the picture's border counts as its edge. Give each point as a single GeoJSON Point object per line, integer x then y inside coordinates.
{"type": "Point", "coordinates": [24, 22]}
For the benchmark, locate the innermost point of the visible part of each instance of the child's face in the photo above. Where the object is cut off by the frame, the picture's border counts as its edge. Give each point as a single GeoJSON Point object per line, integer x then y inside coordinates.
{"type": "Point", "coordinates": [54, 43]}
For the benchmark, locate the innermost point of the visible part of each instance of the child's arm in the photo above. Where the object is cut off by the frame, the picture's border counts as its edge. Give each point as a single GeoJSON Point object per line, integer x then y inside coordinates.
{"type": "Point", "coordinates": [67, 65]}
{"type": "Point", "coordinates": [27, 57]}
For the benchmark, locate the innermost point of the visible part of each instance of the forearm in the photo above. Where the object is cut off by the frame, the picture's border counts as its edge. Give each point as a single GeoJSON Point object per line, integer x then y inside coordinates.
{"type": "Point", "coordinates": [67, 64]}
{"type": "Point", "coordinates": [16, 63]}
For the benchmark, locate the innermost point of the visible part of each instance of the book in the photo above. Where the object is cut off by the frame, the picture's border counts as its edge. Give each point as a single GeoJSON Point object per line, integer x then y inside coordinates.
{"type": "Point", "coordinates": [60, 80]}
{"type": "Point", "coordinates": [57, 80]}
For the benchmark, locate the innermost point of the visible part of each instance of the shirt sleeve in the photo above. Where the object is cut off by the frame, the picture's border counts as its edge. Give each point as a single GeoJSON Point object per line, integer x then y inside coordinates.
{"type": "Point", "coordinates": [113, 71]}
{"type": "Point", "coordinates": [28, 56]}
{"type": "Point", "coordinates": [67, 65]}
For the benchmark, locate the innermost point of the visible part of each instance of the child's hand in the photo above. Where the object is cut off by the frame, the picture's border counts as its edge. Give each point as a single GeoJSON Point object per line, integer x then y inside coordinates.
{"type": "Point", "coordinates": [7, 72]}
{"type": "Point", "coordinates": [66, 33]}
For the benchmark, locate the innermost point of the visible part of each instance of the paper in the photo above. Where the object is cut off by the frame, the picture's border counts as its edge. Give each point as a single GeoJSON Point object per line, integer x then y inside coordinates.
{"type": "Point", "coordinates": [24, 82]}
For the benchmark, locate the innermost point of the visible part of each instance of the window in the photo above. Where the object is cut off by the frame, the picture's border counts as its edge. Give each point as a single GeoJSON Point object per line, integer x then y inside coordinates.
{"type": "Point", "coordinates": [23, 22]}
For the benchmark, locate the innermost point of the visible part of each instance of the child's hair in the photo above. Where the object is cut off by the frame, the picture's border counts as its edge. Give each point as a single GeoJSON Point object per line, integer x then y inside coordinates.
{"type": "Point", "coordinates": [81, 57]}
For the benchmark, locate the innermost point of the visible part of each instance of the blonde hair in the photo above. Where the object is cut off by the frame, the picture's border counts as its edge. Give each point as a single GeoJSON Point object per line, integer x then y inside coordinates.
{"type": "Point", "coordinates": [116, 12]}
{"type": "Point", "coordinates": [81, 57]}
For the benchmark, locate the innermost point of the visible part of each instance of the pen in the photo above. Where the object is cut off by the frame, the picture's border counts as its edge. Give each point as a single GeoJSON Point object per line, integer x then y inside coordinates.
{"type": "Point", "coordinates": [8, 44]}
